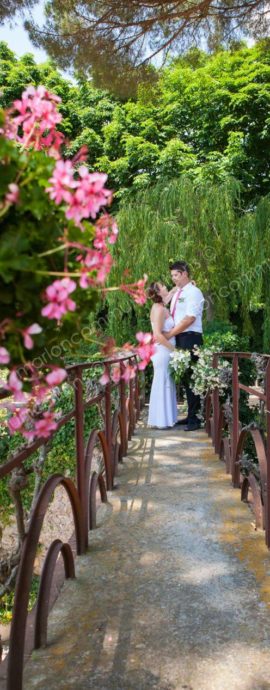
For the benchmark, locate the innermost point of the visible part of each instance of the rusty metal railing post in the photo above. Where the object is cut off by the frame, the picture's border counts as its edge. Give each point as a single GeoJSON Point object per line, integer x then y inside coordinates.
{"type": "Point", "coordinates": [235, 424]}
{"type": "Point", "coordinates": [137, 394]}
{"type": "Point", "coordinates": [215, 407]}
{"type": "Point", "coordinates": [79, 431]}
{"type": "Point", "coordinates": [123, 408]}
{"type": "Point", "coordinates": [131, 408]}
{"type": "Point", "coordinates": [108, 427]}
{"type": "Point", "coordinates": [267, 506]}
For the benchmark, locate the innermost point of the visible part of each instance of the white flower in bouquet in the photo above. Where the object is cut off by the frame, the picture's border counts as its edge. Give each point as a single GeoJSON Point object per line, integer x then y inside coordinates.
{"type": "Point", "coordinates": [179, 363]}
{"type": "Point", "coordinates": [205, 377]}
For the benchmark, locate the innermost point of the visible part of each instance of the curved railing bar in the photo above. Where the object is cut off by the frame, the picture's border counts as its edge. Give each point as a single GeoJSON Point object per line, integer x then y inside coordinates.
{"type": "Point", "coordinates": [116, 446]}
{"type": "Point", "coordinates": [24, 577]}
{"type": "Point", "coordinates": [43, 600]}
{"type": "Point", "coordinates": [95, 481]}
{"type": "Point", "coordinates": [251, 482]}
{"type": "Point", "coordinates": [208, 408]}
{"type": "Point", "coordinates": [225, 453]}
{"type": "Point", "coordinates": [122, 450]}
{"type": "Point", "coordinates": [107, 461]}
{"type": "Point", "coordinates": [220, 428]}
{"type": "Point", "coordinates": [261, 455]}
{"type": "Point", "coordinates": [94, 437]}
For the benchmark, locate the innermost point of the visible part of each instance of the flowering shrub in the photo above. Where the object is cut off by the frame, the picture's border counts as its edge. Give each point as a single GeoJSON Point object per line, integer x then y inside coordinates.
{"type": "Point", "coordinates": [260, 363]}
{"type": "Point", "coordinates": [180, 361]}
{"type": "Point", "coordinates": [204, 376]}
{"type": "Point", "coordinates": [53, 259]}
{"type": "Point", "coordinates": [249, 466]}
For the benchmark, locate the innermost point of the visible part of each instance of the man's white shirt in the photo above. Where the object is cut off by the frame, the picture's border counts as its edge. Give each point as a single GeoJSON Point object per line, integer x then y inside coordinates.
{"type": "Point", "coordinates": [188, 302]}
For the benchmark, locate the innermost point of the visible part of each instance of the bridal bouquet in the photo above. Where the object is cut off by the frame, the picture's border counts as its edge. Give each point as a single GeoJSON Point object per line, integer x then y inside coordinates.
{"type": "Point", "coordinates": [179, 364]}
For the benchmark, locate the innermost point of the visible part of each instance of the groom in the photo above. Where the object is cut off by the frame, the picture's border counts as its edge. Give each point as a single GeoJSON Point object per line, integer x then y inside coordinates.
{"type": "Point", "coordinates": [186, 309]}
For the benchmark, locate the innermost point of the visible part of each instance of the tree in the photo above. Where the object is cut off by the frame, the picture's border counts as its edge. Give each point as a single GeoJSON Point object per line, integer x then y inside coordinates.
{"type": "Point", "coordinates": [192, 218]}
{"type": "Point", "coordinates": [210, 109]}
{"type": "Point", "coordinates": [8, 8]}
{"type": "Point", "coordinates": [117, 38]}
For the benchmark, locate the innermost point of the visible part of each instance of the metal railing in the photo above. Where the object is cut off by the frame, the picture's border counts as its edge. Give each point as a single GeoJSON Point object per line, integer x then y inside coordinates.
{"type": "Point", "coordinates": [113, 439]}
{"type": "Point", "coordinates": [229, 438]}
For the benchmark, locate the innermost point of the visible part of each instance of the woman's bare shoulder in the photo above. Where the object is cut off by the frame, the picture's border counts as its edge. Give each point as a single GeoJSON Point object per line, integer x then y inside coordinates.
{"type": "Point", "coordinates": [157, 308]}
{"type": "Point", "coordinates": [158, 312]}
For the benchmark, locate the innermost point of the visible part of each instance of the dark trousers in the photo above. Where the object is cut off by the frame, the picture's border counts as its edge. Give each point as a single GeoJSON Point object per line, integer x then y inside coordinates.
{"type": "Point", "coordinates": [186, 341]}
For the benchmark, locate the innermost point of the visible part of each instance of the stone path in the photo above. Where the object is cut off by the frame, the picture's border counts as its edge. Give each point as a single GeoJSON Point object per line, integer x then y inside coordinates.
{"type": "Point", "coordinates": [175, 590]}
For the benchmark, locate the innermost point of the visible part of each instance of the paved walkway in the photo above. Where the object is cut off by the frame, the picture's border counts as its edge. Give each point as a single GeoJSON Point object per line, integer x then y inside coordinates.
{"type": "Point", "coordinates": [175, 590]}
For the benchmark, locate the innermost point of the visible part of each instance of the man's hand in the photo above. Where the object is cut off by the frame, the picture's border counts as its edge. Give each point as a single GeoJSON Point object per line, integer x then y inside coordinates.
{"type": "Point", "coordinates": [181, 326]}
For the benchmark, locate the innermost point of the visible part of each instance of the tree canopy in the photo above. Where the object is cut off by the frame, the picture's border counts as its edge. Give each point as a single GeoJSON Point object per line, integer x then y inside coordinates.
{"type": "Point", "coordinates": [205, 109]}
{"type": "Point", "coordinates": [120, 37]}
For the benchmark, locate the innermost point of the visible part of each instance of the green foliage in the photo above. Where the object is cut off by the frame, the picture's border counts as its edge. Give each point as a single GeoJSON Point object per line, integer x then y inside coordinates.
{"type": "Point", "coordinates": [204, 108]}
{"type": "Point", "coordinates": [7, 601]}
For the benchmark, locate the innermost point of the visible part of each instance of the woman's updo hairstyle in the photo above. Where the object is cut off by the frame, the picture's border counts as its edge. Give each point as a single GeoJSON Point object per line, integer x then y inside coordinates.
{"type": "Point", "coordinates": [153, 293]}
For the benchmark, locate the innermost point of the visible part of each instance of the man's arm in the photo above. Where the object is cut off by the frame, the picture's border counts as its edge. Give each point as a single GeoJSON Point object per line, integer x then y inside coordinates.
{"type": "Point", "coordinates": [181, 326]}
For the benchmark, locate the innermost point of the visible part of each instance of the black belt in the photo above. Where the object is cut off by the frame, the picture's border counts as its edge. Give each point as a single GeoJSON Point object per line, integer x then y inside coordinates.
{"type": "Point", "coordinates": [189, 333]}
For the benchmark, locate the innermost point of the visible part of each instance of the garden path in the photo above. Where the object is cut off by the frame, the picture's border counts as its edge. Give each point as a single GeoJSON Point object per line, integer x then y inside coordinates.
{"type": "Point", "coordinates": [174, 592]}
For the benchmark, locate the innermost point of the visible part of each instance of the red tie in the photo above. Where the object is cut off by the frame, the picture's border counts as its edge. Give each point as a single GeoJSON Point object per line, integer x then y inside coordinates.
{"type": "Point", "coordinates": [176, 300]}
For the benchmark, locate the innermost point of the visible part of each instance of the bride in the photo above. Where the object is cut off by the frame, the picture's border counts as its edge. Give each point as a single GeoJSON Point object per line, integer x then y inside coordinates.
{"type": "Point", "coordinates": [162, 405]}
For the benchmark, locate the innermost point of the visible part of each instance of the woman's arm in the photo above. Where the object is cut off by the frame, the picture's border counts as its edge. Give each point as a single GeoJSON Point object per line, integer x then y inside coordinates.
{"type": "Point", "coordinates": [158, 318]}
{"type": "Point", "coordinates": [170, 295]}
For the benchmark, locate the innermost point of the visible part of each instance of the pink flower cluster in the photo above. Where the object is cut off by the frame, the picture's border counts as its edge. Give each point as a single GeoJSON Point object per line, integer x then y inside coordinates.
{"type": "Point", "coordinates": [136, 290]}
{"type": "Point", "coordinates": [94, 262]}
{"type": "Point", "coordinates": [83, 193]}
{"type": "Point", "coordinates": [146, 348]}
{"type": "Point", "coordinates": [38, 117]}
{"type": "Point", "coordinates": [106, 230]}
{"type": "Point", "coordinates": [24, 418]}
{"type": "Point", "coordinates": [59, 302]}
{"type": "Point", "coordinates": [144, 351]}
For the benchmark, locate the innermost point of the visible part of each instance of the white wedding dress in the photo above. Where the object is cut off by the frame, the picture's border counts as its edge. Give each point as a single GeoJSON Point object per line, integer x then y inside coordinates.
{"type": "Point", "coordinates": [163, 404]}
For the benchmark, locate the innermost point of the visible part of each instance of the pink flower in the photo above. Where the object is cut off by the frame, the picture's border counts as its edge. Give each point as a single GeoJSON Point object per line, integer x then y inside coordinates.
{"type": "Point", "coordinates": [116, 373]}
{"type": "Point", "coordinates": [14, 386]}
{"type": "Point", "coordinates": [38, 117]}
{"type": "Point", "coordinates": [100, 262]}
{"type": "Point", "coordinates": [12, 197]}
{"type": "Point", "coordinates": [27, 332]}
{"type": "Point", "coordinates": [4, 356]}
{"type": "Point", "coordinates": [84, 194]}
{"type": "Point", "coordinates": [56, 376]}
{"type": "Point", "coordinates": [62, 182]}
{"type": "Point", "coordinates": [57, 295]}
{"type": "Point", "coordinates": [43, 427]}
{"type": "Point", "coordinates": [40, 393]}
{"type": "Point", "coordinates": [136, 290]}
{"type": "Point", "coordinates": [106, 231]}
{"type": "Point", "coordinates": [129, 372]}
{"type": "Point", "coordinates": [146, 348]}
{"type": "Point", "coordinates": [91, 191]}
{"type": "Point", "coordinates": [104, 379]}
{"type": "Point", "coordinates": [16, 422]}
